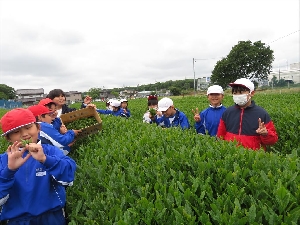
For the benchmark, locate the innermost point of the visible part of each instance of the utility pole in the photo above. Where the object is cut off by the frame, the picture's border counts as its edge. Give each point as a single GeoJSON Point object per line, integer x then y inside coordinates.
{"type": "Point", "coordinates": [194, 76]}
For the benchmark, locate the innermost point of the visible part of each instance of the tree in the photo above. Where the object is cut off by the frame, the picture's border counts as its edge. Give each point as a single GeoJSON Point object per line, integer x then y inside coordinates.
{"type": "Point", "coordinates": [274, 81]}
{"type": "Point", "coordinates": [94, 92]}
{"type": "Point", "coordinates": [175, 91]}
{"type": "Point", "coordinates": [9, 92]}
{"type": "Point", "coordinates": [246, 59]}
{"type": "Point", "coordinates": [3, 96]}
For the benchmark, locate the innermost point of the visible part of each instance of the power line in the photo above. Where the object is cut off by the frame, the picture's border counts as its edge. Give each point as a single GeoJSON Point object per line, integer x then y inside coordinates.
{"type": "Point", "coordinates": [284, 36]}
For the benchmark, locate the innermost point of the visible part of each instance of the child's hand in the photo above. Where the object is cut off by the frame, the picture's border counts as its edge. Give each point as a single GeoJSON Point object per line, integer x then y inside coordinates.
{"type": "Point", "coordinates": [196, 115]}
{"type": "Point", "coordinates": [63, 129]}
{"type": "Point", "coordinates": [36, 151]}
{"type": "Point", "coordinates": [15, 156]}
{"type": "Point", "coordinates": [77, 132]}
{"type": "Point", "coordinates": [124, 110]}
{"type": "Point", "coordinates": [93, 106]}
{"type": "Point", "coordinates": [262, 130]}
{"type": "Point", "coordinates": [159, 113]}
{"type": "Point", "coordinates": [87, 100]}
{"type": "Point", "coordinates": [71, 143]}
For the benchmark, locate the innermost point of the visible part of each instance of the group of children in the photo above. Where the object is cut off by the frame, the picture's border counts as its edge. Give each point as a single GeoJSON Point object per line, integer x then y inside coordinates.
{"type": "Point", "coordinates": [113, 107]}
{"type": "Point", "coordinates": [35, 169]}
{"type": "Point", "coordinates": [244, 122]}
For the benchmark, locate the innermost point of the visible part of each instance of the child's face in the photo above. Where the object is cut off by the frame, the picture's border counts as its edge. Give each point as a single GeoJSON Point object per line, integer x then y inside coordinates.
{"type": "Point", "coordinates": [124, 105]}
{"type": "Point", "coordinates": [215, 99]}
{"type": "Point", "coordinates": [47, 118]}
{"type": "Point", "coordinates": [60, 100]}
{"type": "Point", "coordinates": [52, 108]}
{"type": "Point", "coordinates": [169, 112]}
{"type": "Point", "coordinates": [152, 106]}
{"type": "Point", "coordinates": [27, 132]}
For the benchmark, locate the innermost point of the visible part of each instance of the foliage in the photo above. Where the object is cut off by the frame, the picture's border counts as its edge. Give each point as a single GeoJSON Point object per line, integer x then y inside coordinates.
{"type": "Point", "coordinates": [94, 92]}
{"type": "Point", "coordinates": [3, 96]}
{"type": "Point", "coordinates": [116, 94]}
{"type": "Point", "coordinates": [137, 173]}
{"type": "Point", "coordinates": [175, 91]}
{"type": "Point", "coordinates": [7, 92]}
{"type": "Point", "coordinates": [246, 59]}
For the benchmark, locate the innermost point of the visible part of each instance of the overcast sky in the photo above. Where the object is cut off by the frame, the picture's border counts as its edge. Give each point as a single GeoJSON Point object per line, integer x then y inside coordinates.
{"type": "Point", "coordinates": [75, 45]}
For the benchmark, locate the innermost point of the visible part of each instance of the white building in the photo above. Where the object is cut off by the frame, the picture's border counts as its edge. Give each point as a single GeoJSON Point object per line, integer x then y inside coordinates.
{"type": "Point", "coordinates": [293, 74]}
{"type": "Point", "coordinates": [202, 83]}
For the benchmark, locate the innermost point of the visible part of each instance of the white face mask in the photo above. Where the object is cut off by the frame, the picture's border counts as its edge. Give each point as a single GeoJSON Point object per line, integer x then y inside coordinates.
{"type": "Point", "coordinates": [240, 99]}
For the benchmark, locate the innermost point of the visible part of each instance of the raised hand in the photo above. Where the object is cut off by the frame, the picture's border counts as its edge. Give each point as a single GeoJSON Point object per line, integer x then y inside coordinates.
{"type": "Point", "coordinates": [87, 100]}
{"type": "Point", "coordinates": [262, 130]}
{"type": "Point", "coordinates": [196, 115]}
{"type": "Point", "coordinates": [15, 156]}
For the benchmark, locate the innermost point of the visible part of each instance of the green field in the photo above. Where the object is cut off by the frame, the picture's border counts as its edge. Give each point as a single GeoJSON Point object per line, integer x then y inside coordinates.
{"type": "Point", "coordinates": [136, 173]}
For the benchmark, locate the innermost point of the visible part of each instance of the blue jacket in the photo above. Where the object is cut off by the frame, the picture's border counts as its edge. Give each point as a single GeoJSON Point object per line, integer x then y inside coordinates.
{"type": "Point", "coordinates": [209, 120]}
{"type": "Point", "coordinates": [178, 119]}
{"type": "Point", "coordinates": [35, 188]}
{"type": "Point", "coordinates": [120, 112]}
{"type": "Point", "coordinates": [49, 135]}
{"type": "Point", "coordinates": [57, 123]}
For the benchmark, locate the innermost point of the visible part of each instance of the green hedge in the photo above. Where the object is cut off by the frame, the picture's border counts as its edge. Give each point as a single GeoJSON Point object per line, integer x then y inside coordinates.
{"type": "Point", "coordinates": [136, 173]}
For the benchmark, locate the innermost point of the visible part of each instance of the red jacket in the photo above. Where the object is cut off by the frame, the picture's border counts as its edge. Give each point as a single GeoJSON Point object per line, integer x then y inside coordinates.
{"type": "Point", "coordinates": [240, 124]}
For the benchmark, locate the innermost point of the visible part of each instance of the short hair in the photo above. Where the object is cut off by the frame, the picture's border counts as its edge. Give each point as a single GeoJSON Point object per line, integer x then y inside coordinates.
{"type": "Point", "coordinates": [152, 100]}
{"type": "Point", "coordinates": [237, 88]}
{"type": "Point", "coordinates": [55, 93]}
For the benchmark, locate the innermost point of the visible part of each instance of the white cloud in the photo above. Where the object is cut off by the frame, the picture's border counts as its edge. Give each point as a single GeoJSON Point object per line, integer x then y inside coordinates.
{"type": "Point", "coordinates": [77, 45]}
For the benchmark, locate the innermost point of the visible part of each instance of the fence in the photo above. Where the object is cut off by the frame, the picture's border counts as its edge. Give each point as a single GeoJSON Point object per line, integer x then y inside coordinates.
{"type": "Point", "coordinates": [10, 104]}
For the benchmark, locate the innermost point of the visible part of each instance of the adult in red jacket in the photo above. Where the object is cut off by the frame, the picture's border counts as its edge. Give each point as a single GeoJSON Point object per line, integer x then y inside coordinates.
{"type": "Point", "coordinates": [250, 125]}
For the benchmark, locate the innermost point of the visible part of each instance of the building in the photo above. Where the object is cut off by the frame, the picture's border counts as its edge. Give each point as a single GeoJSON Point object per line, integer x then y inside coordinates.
{"type": "Point", "coordinates": [106, 94]}
{"type": "Point", "coordinates": [128, 94]}
{"type": "Point", "coordinates": [73, 96]}
{"type": "Point", "coordinates": [29, 96]}
{"type": "Point", "coordinates": [202, 83]}
{"type": "Point", "coordinates": [289, 75]}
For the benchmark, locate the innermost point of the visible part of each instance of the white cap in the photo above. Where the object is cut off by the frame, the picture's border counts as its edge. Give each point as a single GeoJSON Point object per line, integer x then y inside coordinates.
{"type": "Point", "coordinates": [115, 103]}
{"type": "Point", "coordinates": [109, 101]}
{"type": "Point", "coordinates": [244, 82]}
{"type": "Point", "coordinates": [123, 100]}
{"type": "Point", "coordinates": [164, 104]}
{"type": "Point", "coordinates": [215, 89]}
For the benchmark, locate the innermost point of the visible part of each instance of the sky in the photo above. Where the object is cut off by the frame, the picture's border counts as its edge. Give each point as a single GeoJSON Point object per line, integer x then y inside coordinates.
{"type": "Point", "coordinates": [75, 45]}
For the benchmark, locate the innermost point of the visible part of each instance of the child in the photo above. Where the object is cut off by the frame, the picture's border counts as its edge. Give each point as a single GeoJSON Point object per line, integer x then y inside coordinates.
{"type": "Point", "coordinates": [115, 111]}
{"type": "Point", "coordinates": [246, 122]}
{"type": "Point", "coordinates": [208, 120]}
{"type": "Point", "coordinates": [152, 104]}
{"type": "Point", "coordinates": [171, 117]}
{"type": "Point", "coordinates": [124, 106]}
{"type": "Point", "coordinates": [56, 122]}
{"type": "Point", "coordinates": [31, 175]}
{"type": "Point", "coordinates": [59, 97]}
{"type": "Point", "coordinates": [48, 134]}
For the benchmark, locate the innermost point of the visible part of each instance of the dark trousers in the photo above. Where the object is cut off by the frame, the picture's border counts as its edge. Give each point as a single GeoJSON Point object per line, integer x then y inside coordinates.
{"type": "Point", "coordinates": [47, 218]}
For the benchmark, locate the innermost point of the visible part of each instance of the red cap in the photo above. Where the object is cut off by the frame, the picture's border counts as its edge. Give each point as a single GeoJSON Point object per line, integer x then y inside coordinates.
{"type": "Point", "coordinates": [46, 101]}
{"type": "Point", "coordinates": [38, 110]}
{"type": "Point", "coordinates": [16, 118]}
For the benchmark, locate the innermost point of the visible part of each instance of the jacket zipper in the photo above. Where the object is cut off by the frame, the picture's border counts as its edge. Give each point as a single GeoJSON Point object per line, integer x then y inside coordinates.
{"type": "Point", "coordinates": [241, 120]}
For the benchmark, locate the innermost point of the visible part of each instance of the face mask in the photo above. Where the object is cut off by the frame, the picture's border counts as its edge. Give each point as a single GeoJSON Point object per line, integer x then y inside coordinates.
{"type": "Point", "coordinates": [240, 99]}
